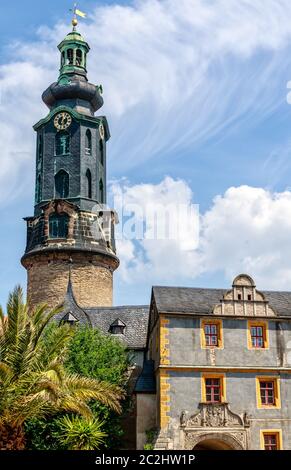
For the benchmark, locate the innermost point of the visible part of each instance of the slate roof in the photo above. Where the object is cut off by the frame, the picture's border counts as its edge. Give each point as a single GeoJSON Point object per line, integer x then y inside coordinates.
{"type": "Point", "coordinates": [135, 318]}
{"type": "Point", "coordinates": [70, 307]}
{"type": "Point", "coordinates": [201, 301]}
{"type": "Point", "coordinates": [186, 300]}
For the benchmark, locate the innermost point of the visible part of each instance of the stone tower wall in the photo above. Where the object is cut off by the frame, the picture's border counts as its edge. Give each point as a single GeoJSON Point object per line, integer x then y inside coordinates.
{"type": "Point", "coordinates": [91, 276]}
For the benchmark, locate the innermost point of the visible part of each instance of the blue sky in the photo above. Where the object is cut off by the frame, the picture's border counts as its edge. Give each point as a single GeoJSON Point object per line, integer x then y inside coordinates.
{"type": "Point", "coordinates": [195, 93]}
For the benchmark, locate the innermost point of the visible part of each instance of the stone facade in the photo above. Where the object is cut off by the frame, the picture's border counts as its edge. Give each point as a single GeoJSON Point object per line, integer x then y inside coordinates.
{"type": "Point", "coordinates": [186, 417]}
{"type": "Point", "coordinates": [91, 277]}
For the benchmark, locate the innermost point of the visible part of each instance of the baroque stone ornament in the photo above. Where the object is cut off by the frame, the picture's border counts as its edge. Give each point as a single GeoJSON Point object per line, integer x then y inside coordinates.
{"type": "Point", "coordinates": [216, 422]}
{"type": "Point", "coordinates": [214, 416]}
{"type": "Point", "coordinates": [183, 419]}
{"type": "Point", "coordinates": [244, 300]}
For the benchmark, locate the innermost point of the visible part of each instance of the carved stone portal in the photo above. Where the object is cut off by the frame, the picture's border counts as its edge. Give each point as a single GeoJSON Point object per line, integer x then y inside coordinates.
{"type": "Point", "coordinates": [216, 421]}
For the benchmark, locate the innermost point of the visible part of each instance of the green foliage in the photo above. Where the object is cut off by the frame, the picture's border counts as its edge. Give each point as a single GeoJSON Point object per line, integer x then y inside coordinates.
{"type": "Point", "coordinates": [104, 357]}
{"type": "Point", "coordinates": [42, 434]}
{"type": "Point", "coordinates": [93, 355]}
{"type": "Point", "coordinates": [151, 436]}
{"type": "Point", "coordinates": [34, 384]}
{"type": "Point", "coordinates": [76, 433]}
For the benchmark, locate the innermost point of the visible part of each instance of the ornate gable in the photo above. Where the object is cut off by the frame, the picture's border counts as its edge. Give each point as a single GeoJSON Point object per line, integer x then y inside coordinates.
{"type": "Point", "coordinates": [244, 300]}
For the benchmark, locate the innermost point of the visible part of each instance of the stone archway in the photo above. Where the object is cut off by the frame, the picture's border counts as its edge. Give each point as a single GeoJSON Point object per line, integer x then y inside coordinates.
{"type": "Point", "coordinates": [214, 441]}
{"type": "Point", "coordinates": [217, 442]}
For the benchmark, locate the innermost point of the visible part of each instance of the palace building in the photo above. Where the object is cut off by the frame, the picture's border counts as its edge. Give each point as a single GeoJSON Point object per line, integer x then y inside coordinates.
{"type": "Point", "coordinates": [217, 373]}
{"type": "Point", "coordinates": [212, 366]}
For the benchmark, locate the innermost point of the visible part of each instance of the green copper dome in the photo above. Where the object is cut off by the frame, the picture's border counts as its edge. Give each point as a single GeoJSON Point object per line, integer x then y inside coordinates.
{"type": "Point", "coordinates": [74, 50]}
{"type": "Point", "coordinates": [72, 88]}
{"type": "Point", "coordinates": [73, 37]}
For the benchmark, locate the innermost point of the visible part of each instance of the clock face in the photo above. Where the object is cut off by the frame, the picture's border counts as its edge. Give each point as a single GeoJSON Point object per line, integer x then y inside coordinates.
{"type": "Point", "coordinates": [63, 121]}
{"type": "Point", "coordinates": [101, 131]}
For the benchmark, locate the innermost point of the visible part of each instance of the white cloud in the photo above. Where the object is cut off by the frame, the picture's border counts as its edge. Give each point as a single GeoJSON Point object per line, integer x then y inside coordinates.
{"type": "Point", "coordinates": [245, 230]}
{"type": "Point", "coordinates": [248, 230]}
{"type": "Point", "coordinates": [174, 73]}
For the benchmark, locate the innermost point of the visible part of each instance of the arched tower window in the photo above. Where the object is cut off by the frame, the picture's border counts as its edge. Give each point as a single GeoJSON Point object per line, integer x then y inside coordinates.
{"type": "Point", "coordinates": [62, 184]}
{"type": "Point", "coordinates": [70, 57]}
{"type": "Point", "coordinates": [38, 192]}
{"type": "Point", "coordinates": [101, 148]}
{"type": "Point", "coordinates": [40, 146]}
{"type": "Point", "coordinates": [88, 142]}
{"type": "Point", "coordinates": [79, 57]}
{"type": "Point", "coordinates": [101, 190]}
{"type": "Point", "coordinates": [58, 225]}
{"type": "Point", "coordinates": [63, 59]}
{"type": "Point", "coordinates": [62, 143]}
{"type": "Point", "coordinates": [89, 184]}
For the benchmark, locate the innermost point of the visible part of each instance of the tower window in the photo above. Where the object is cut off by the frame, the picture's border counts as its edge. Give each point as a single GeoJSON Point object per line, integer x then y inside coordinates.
{"type": "Point", "coordinates": [63, 59]}
{"type": "Point", "coordinates": [88, 142]}
{"type": "Point", "coordinates": [101, 190]}
{"type": "Point", "coordinates": [62, 184]}
{"type": "Point", "coordinates": [89, 184]}
{"type": "Point", "coordinates": [58, 225]}
{"type": "Point", "coordinates": [239, 296]}
{"type": "Point", "coordinates": [70, 57]}
{"type": "Point", "coordinates": [62, 143]}
{"type": "Point", "coordinates": [38, 193]}
{"type": "Point", "coordinates": [79, 57]}
{"type": "Point", "coordinates": [101, 148]}
{"type": "Point", "coordinates": [40, 146]}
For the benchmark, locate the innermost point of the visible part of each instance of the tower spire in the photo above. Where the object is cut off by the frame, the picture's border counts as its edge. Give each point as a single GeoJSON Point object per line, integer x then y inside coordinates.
{"type": "Point", "coordinates": [76, 13]}
{"type": "Point", "coordinates": [70, 186]}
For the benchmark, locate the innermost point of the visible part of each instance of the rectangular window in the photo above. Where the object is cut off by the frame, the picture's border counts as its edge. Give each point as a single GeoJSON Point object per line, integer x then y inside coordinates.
{"type": "Point", "coordinates": [213, 388]}
{"type": "Point", "coordinates": [268, 392]}
{"type": "Point", "coordinates": [211, 337]}
{"type": "Point", "coordinates": [271, 440]}
{"type": "Point", "coordinates": [211, 334]}
{"type": "Point", "coordinates": [258, 336]}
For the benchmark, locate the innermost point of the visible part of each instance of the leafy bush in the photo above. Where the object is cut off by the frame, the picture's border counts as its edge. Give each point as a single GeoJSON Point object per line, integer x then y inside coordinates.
{"type": "Point", "coordinates": [97, 356]}
{"type": "Point", "coordinates": [151, 436]}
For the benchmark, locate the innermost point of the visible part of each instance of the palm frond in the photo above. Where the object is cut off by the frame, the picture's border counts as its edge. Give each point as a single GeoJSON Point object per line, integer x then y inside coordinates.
{"type": "Point", "coordinates": [90, 389]}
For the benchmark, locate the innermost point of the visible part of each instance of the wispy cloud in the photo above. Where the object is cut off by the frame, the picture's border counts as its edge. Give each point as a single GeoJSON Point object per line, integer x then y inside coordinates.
{"type": "Point", "coordinates": [174, 74]}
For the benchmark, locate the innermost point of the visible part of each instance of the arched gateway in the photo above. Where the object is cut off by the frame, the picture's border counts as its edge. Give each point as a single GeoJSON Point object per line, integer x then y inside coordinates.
{"type": "Point", "coordinates": [214, 427]}
{"type": "Point", "coordinates": [217, 441]}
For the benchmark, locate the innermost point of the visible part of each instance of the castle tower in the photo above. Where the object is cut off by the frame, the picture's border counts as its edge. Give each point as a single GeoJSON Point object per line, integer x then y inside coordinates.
{"type": "Point", "coordinates": [70, 230]}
